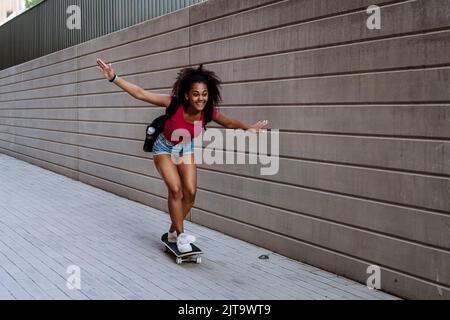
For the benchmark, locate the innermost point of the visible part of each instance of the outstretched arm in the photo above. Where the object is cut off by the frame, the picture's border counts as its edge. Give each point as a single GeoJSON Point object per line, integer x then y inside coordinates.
{"type": "Point", "coordinates": [135, 91]}
{"type": "Point", "coordinates": [230, 123]}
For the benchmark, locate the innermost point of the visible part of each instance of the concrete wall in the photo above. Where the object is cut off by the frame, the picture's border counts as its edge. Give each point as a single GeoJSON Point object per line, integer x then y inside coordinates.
{"type": "Point", "coordinates": [364, 117]}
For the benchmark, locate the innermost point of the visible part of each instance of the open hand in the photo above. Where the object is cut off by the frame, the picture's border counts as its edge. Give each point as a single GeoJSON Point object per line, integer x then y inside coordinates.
{"type": "Point", "coordinates": [106, 69]}
{"type": "Point", "coordinates": [258, 126]}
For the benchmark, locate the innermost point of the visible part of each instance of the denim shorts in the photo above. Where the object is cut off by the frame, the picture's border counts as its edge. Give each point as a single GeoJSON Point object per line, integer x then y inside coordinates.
{"type": "Point", "coordinates": [164, 146]}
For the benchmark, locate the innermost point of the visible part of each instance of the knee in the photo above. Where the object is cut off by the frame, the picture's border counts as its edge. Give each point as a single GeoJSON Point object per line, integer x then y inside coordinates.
{"type": "Point", "coordinates": [175, 192]}
{"type": "Point", "coordinates": [189, 195]}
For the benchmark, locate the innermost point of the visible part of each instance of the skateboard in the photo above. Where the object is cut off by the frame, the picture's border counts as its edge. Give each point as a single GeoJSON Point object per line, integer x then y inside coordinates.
{"type": "Point", "coordinates": [191, 256]}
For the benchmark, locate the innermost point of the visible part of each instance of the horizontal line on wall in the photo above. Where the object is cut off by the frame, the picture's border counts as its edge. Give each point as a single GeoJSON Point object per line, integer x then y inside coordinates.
{"type": "Point", "coordinates": [238, 12]}
{"type": "Point", "coordinates": [80, 133]}
{"type": "Point", "coordinates": [382, 201]}
{"type": "Point", "coordinates": [325, 104]}
{"type": "Point", "coordinates": [26, 155]}
{"type": "Point", "coordinates": [443, 66]}
{"type": "Point", "coordinates": [341, 104]}
{"type": "Point", "coordinates": [362, 135]}
{"type": "Point", "coordinates": [79, 95]}
{"type": "Point", "coordinates": [40, 98]}
{"type": "Point", "coordinates": [418, 33]}
{"type": "Point", "coordinates": [358, 166]}
{"type": "Point", "coordinates": [105, 49]}
{"type": "Point", "coordinates": [132, 41]}
{"type": "Point", "coordinates": [146, 37]}
{"type": "Point", "coordinates": [283, 184]}
{"type": "Point", "coordinates": [284, 131]}
{"type": "Point", "coordinates": [246, 153]}
{"type": "Point", "coordinates": [102, 78]}
{"type": "Point", "coordinates": [301, 22]}
{"type": "Point", "coordinates": [78, 120]}
{"type": "Point", "coordinates": [267, 80]}
{"type": "Point", "coordinates": [401, 272]}
{"type": "Point", "coordinates": [95, 51]}
{"type": "Point", "coordinates": [334, 222]}
{"type": "Point", "coordinates": [328, 45]}
{"type": "Point", "coordinates": [281, 157]}
{"type": "Point", "coordinates": [74, 145]}
{"type": "Point", "coordinates": [173, 30]}
{"type": "Point", "coordinates": [202, 22]}
{"type": "Point", "coordinates": [341, 224]}
{"type": "Point", "coordinates": [367, 71]}
{"type": "Point", "coordinates": [253, 106]}
{"type": "Point", "coordinates": [344, 74]}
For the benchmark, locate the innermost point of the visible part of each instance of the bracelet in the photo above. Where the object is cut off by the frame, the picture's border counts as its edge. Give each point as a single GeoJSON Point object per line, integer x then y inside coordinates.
{"type": "Point", "coordinates": [114, 78]}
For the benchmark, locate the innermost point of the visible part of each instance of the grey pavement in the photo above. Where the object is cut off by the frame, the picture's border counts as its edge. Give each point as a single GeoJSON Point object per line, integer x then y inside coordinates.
{"type": "Point", "coordinates": [50, 223]}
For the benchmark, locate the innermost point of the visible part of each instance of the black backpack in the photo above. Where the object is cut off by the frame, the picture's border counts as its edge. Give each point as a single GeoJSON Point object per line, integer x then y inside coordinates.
{"type": "Point", "coordinates": [157, 126]}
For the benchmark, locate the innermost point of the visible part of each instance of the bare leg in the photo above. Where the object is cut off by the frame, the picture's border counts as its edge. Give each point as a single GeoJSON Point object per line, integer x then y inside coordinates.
{"type": "Point", "coordinates": [168, 171]}
{"type": "Point", "coordinates": [188, 174]}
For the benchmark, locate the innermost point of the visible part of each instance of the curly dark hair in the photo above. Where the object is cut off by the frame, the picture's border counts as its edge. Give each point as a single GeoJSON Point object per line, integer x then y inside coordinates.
{"type": "Point", "coordinates": [187, 77]}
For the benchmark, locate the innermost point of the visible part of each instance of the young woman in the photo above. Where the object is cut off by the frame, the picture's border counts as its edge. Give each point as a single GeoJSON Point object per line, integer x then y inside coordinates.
{"type": "Point", "coordinates": [198, 92]}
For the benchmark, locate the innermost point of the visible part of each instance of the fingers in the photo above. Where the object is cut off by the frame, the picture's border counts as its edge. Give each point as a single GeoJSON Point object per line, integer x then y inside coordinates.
{"type": "Point", "coordinates": [100, 65]}
{"type": "Point", "coordinates": [103, 65]}
{"type": "Point", "coordinates": [258, 126]}
{"type": "Point", "coordinates": [262, 124]}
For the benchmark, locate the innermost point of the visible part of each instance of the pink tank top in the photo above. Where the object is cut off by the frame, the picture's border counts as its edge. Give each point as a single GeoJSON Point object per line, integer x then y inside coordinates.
{"type": "Point", "coordinates": [177, 122]}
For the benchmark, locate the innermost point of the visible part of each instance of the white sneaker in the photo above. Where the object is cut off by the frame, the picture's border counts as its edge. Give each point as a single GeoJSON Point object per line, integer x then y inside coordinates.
{"type": "Point", "coordinates": [184, 242]}
{"type": "Point", "coordinates": [172, 237]}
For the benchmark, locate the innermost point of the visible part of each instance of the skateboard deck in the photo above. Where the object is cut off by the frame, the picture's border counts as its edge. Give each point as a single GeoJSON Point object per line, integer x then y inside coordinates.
{"type": "Point", "coordinates": [191, 256]}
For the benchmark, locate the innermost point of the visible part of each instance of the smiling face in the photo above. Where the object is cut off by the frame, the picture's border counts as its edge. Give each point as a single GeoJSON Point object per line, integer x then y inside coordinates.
{"type": "Point", "coordinates": [197, 96]}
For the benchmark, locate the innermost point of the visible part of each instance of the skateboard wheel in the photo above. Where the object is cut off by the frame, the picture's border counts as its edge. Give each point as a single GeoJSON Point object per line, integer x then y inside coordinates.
{"type": "Point", "coordinates": [164, 248]}
{"type": "Point", "coordinates": [179, 260]}
{"type": "Point", "coordinates": [198, 260]}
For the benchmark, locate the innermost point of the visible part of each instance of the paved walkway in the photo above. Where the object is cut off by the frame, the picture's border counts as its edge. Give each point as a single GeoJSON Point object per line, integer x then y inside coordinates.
{"type": "Point", "coordinates": [49, 222]}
